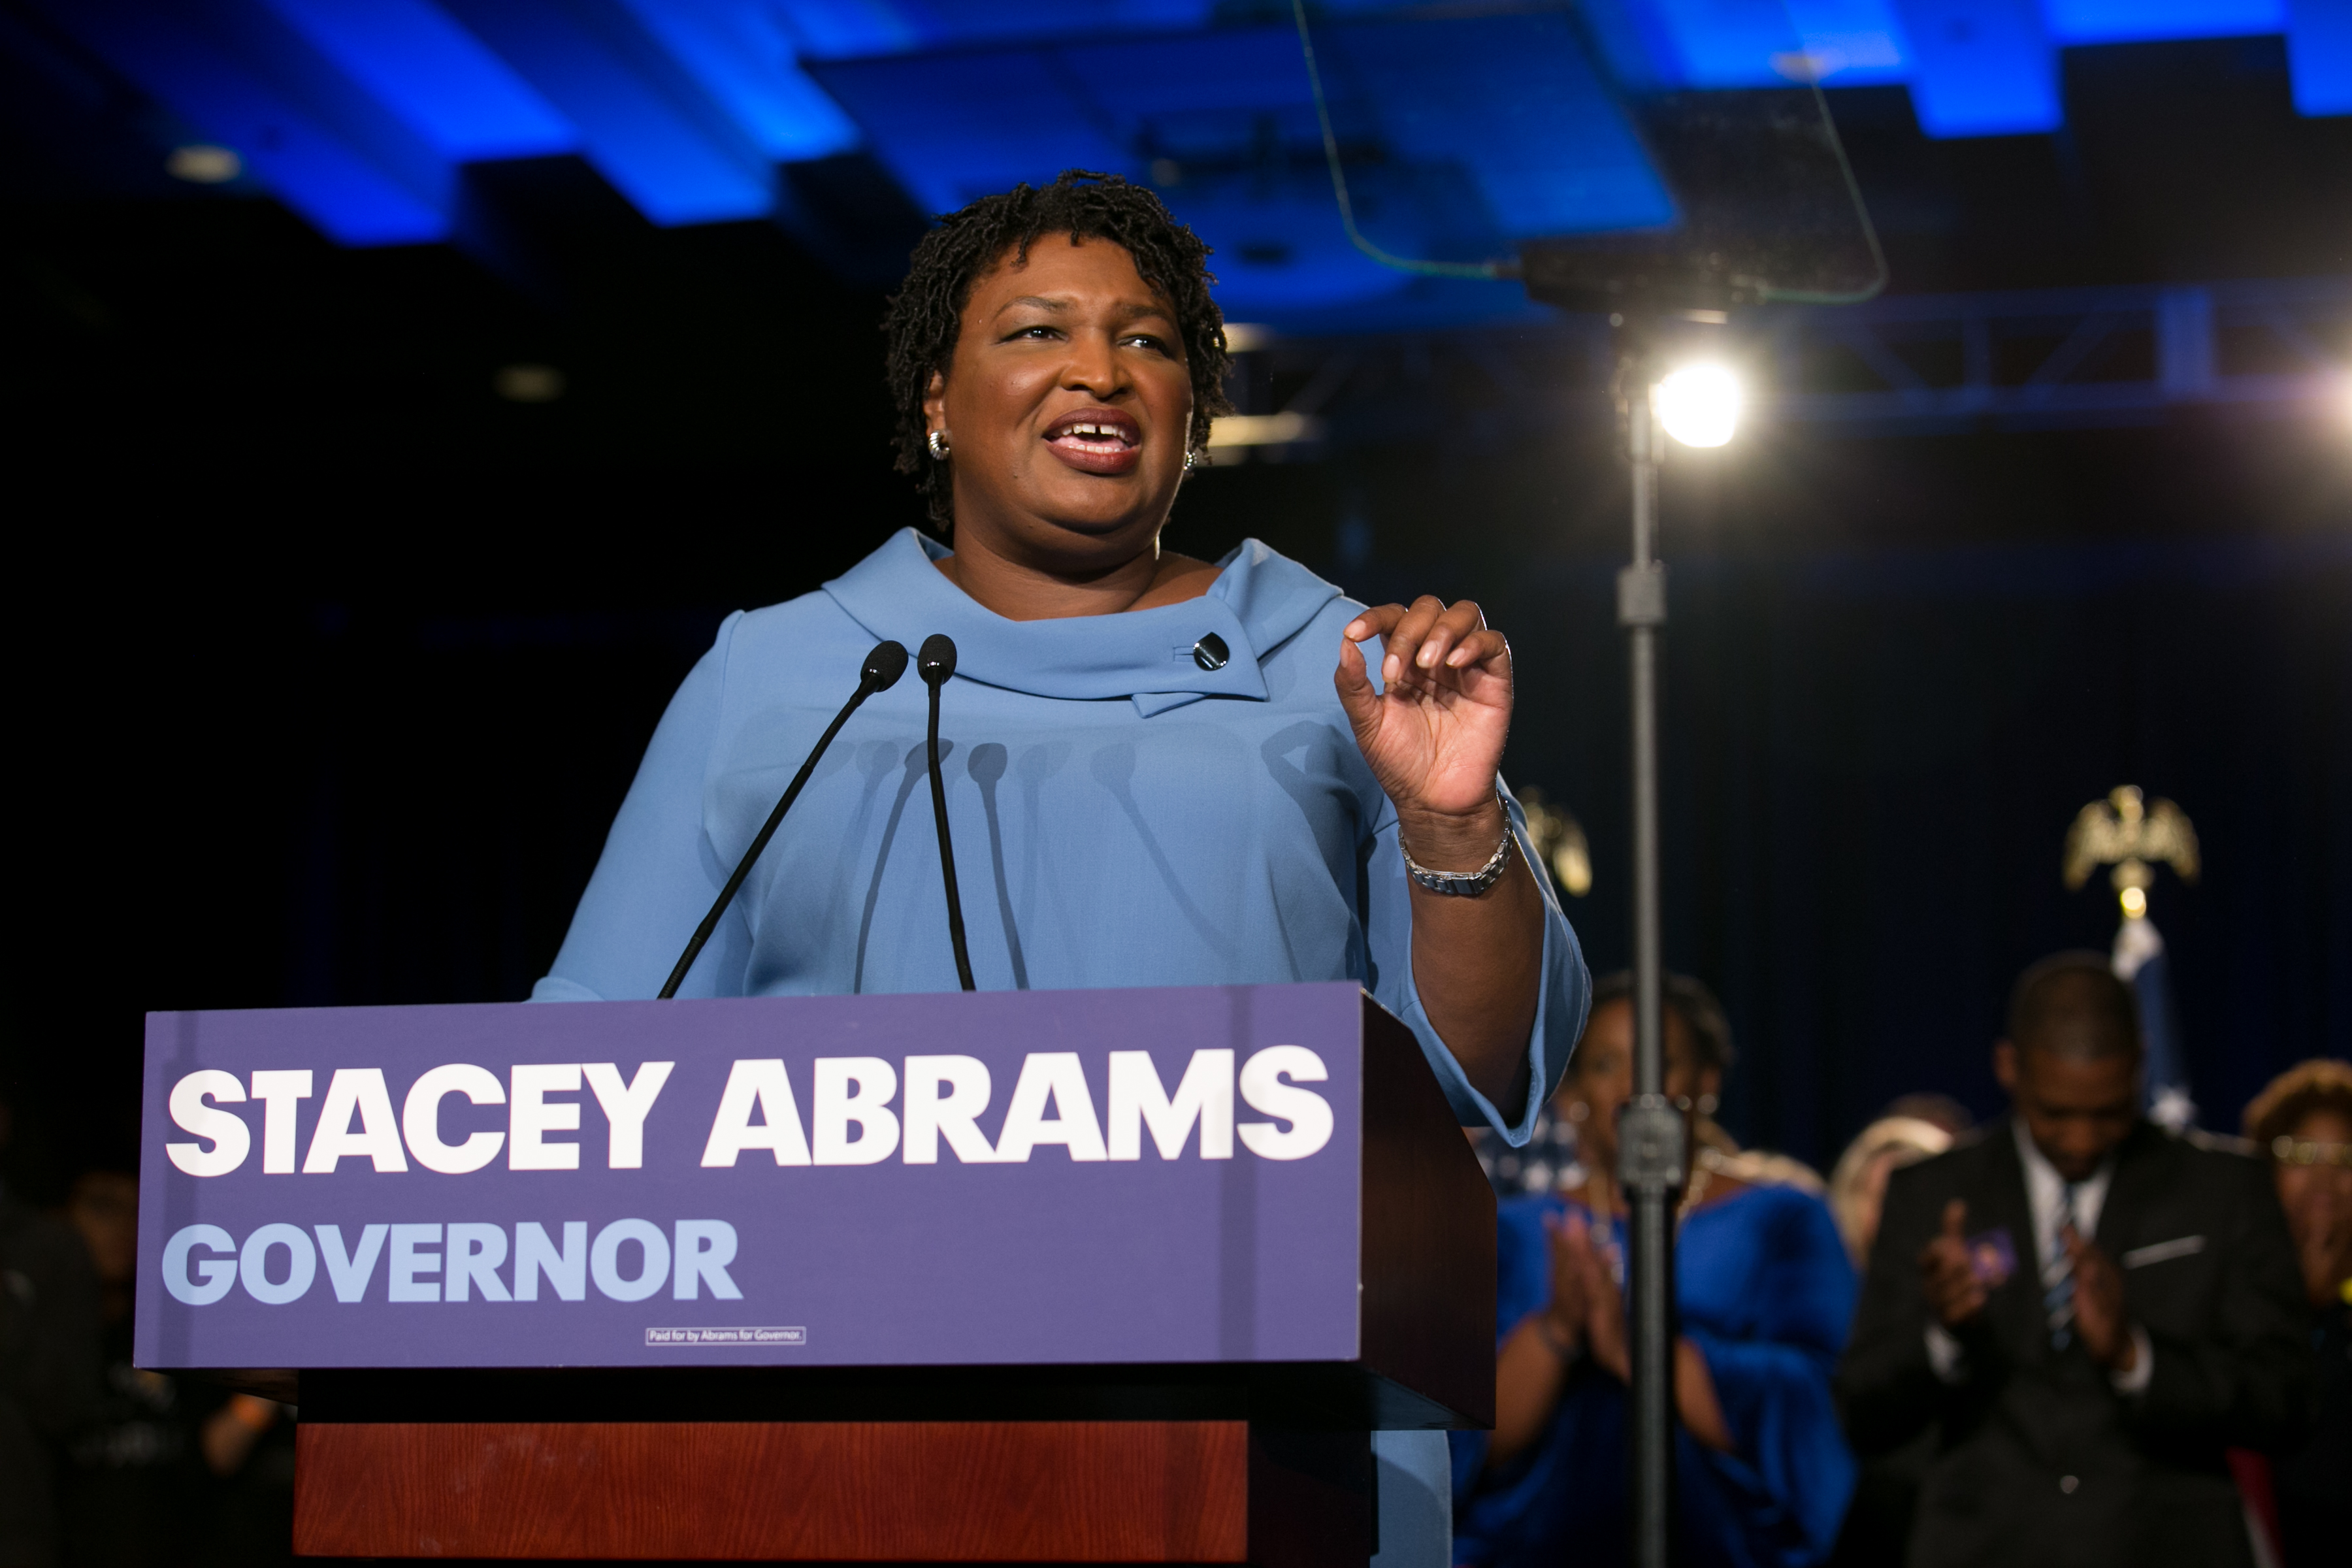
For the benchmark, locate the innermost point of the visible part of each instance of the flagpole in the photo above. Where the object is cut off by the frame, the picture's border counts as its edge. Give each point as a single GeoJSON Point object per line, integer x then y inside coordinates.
{"type": "Point", "coordinates": [2133, 835]}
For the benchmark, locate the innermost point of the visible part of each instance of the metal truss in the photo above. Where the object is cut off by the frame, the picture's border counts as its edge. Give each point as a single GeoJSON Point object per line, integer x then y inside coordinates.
{"type": "Point", "coordinates": [2025, 359]}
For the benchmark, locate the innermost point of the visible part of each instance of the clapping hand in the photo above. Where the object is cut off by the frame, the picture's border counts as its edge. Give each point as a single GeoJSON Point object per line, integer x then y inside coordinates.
{"type": "Point", "coordinates": [1586, 1308]}
{"type": "Point", "coordinates": [1564, 1316]}
{"type": "Point", "coordinates": [2099, 1305]}
{"type": "Point", "coordinates": [1585, 1295]}
{"type": "Point", "coordinates": [1949, 1278]}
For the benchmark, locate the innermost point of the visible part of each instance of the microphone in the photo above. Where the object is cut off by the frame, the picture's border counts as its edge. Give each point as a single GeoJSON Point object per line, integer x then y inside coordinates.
{"type": "Point", "coordinates": [883, 668]}
{"type": "Point", "coordinates": [935, 663]}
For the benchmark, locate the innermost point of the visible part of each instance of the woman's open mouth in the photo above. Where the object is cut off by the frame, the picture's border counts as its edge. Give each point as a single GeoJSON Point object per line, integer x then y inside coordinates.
{"type": "Point", "coordinates": [1096, 441]}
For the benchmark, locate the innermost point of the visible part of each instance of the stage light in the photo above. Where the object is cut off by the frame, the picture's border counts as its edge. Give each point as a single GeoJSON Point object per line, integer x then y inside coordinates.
{"type": "Point", "coordinates": [202, 164]}
{"type": "Point", "coordinates": [1263, 430]}
{"type": "Point", "coordinates": [528, 384]}
{"type": "Point", "coordinates": [1699, 404]}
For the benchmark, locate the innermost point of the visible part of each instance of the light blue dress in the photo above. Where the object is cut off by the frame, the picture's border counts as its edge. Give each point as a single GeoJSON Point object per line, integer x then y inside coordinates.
{"type": "Point", "coordinates": [1122, 816]}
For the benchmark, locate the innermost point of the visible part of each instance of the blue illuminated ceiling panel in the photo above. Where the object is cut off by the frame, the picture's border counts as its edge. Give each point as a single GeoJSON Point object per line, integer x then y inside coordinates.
{"type": "Point", "coordinates": [1517, 104]}
{"type": "Point", "coordinates": [423, 67]}
{"type": "Point", "coordinates": [1762, 43]}
{"type": "Point", "coordinates": [645, 124]}
{"type": "Point", "coordinates": [1466, 127]}
{"type": "Point", "coordinates": [1982, 68]}
{"type": "Point", "coordinates": [2319, 54]}
{"type": "Point", "coordinates": [2138, 21]}
{"type": "Point", "coordinates": [286, 136]}
{"type": "Point", "coordinates": [747, 55]}
{"type": "Point", "coordinates": [946, 124]}
{"type": "Point", "coordinates": [1464, 139]}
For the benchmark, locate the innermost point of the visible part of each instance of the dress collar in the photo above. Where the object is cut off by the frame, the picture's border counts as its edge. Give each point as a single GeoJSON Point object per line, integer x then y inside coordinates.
{"type": "Point", "coordinates": [1259, 601]}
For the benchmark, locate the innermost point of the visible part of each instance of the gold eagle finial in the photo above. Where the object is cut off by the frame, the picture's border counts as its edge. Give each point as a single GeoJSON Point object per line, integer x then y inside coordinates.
{"type": "Point", "coordinates": [1560, 841]}
{"type": "Point", "coordinates": [2125, 832]}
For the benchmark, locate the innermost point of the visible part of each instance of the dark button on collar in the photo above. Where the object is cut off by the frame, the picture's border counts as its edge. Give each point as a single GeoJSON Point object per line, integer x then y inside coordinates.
{"type": "Point", "coordinates": [1210, 652]}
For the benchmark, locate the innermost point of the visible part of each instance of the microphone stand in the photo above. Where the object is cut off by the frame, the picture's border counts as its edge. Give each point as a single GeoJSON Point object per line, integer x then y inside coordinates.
{"type": "Point", "coordinates": [883, 668]}
{"type": "Point", "coordinates": [936, 662]}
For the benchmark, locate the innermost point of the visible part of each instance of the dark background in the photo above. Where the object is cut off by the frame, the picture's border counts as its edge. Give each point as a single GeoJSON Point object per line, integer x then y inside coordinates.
{"type": "Point", "coordinates": [329, 666]}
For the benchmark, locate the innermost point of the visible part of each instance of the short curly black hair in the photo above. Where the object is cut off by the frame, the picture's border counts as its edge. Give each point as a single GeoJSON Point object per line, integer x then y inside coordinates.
{"type": "Point", "coordinates": [926, 313]}
{"type": "Point", "coordinates": [1702, 1014]}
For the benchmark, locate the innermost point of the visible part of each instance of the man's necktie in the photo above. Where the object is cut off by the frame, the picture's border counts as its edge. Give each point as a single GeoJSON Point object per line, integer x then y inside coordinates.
{"type": "Point", "coordinates": [2058, 1272]}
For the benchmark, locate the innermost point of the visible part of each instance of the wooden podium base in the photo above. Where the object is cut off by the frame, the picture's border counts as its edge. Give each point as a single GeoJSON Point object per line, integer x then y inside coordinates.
{"type": "Point", "coordinates": [899, 1491]}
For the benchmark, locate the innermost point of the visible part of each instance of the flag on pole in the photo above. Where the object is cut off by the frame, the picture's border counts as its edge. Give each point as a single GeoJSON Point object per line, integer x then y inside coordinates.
{"type": "Point", "coordinates": [2141, 962]}
{"type": "Point", "coordinates": [2129, 833]}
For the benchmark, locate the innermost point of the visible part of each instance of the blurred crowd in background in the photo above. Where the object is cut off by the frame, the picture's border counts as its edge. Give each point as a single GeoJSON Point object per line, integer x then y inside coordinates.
{"type": "Point", "coordinates": [101, 1463]}
{"type": "Point", "coordinates": [1776, 1463]}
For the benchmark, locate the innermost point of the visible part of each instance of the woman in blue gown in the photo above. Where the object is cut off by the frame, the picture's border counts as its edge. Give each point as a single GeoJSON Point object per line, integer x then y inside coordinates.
{"type": "Point", "coordinates": [1159, 771]}
{"type": "Point", "coordinates": [1764, 1291]}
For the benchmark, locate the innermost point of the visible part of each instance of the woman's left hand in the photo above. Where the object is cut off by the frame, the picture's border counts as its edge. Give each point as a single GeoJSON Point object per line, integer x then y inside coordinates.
{"type": "Point", "coordinates": [1433, 735]}
{"type": "Point", "coordinates": [1433, 738]}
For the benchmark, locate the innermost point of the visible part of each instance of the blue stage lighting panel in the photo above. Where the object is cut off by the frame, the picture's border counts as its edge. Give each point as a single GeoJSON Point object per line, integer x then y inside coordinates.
{"type": "Point", "coordinates": [2319, 54]}
{"type": "Point", "coordinates": [1982, 68]}
{"type": "Point", "coordinates": [1461, 139]}
{"type": "Point", "coordinates": [951, 127]}
{"type": "Point", "coordinates": [745, 55]}
{"type": "Point", "coordinates": [332, 183]}
{"type": "Point", "coordinates": [1464, 131]}
{"type": "Point", "coordinates": [421, 66]}
{"type": "Point", "coordinates": [645, 123]}
{"type": "Point", "coordinates": [1517, 105]}
{"type": "Point", "coordinates": [2139, 21]}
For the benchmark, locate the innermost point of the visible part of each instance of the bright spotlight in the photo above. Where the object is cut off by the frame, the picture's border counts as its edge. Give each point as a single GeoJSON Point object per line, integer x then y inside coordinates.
{"type": "Point", "coordinates": [1699, 404]}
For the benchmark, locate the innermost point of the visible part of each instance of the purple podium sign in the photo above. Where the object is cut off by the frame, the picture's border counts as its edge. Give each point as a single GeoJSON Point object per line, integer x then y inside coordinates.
{"type": "Point", "coordinates": [998, 1178]}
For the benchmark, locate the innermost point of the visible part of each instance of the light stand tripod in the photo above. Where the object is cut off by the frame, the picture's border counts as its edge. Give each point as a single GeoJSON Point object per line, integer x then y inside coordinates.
{"type": "Point", "coordinates": [1651, 1135]}
{"type": "Point", "coordinates": [1766, 210]}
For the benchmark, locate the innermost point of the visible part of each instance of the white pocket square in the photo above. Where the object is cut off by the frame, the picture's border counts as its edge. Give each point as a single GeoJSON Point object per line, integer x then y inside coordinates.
{"type": "Point", "coordinates": [2163, 1251]}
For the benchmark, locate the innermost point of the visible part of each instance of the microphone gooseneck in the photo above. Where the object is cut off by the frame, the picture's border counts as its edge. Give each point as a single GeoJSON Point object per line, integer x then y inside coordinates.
{"type": "Point", "coordinates": [935, 663]}
{"type": "Point", "coordinates": [882, 670]}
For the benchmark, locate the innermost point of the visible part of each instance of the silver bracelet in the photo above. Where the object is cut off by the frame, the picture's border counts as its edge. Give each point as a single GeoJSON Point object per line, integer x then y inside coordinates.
{"type": "Point", "coordinates": [1462, 884]}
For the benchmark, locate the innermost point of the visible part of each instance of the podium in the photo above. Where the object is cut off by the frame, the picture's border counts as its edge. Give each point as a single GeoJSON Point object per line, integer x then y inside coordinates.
{"type": "Point", "coordinates": [1078, 1277]}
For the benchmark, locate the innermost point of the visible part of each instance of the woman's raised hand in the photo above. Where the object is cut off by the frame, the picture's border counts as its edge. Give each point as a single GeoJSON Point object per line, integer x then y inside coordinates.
{"type": "Point", "coordinates": [1433, 734]}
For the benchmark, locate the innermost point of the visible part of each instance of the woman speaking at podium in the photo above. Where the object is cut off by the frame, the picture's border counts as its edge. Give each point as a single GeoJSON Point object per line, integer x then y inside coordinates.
{"type": "Point", "coordinates": [1159, 771]}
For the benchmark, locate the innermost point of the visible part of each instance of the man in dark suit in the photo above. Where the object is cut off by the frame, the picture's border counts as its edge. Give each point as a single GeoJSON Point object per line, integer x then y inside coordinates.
{"type": "Point", "coordinates": [2085, 1310]}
